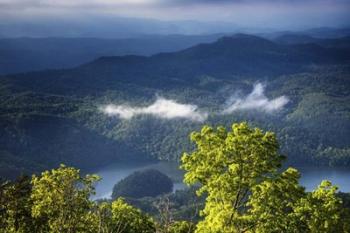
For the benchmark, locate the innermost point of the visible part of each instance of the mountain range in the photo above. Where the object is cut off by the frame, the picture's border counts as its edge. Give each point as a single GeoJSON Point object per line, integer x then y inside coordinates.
{"type": "Point", "coordinates": [24, 54]}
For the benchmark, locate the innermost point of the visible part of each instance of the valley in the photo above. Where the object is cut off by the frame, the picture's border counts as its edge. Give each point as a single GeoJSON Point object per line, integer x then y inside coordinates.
{"type": "Point", "coordinates": [52, 117]}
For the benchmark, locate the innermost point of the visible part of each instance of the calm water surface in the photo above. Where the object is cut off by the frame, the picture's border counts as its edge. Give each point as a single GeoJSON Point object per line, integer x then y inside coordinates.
{"type": "Point", "coordinates": [311, 176]}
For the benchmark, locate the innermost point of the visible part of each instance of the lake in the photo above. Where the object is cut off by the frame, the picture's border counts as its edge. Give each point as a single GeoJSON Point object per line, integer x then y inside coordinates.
{"type": "Point", "coordinates": [311, 176]}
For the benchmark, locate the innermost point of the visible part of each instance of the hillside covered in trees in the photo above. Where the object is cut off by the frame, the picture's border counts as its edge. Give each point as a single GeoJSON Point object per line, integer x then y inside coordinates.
{"type": "Point", "coordinates": [298, 90]}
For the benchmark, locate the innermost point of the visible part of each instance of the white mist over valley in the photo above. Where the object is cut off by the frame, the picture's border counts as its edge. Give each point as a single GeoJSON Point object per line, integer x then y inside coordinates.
{"type": "Point", "coordinates": [161, 108]}
{"type": "Point", "coordinates": [256, 100]}
{"type": "Point", "coordinates": [169, 109]}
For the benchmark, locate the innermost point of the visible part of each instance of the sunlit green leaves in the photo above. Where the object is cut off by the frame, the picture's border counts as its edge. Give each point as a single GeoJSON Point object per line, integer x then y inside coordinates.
{"type": "Point", "coordinates": [228, 165]}
{"type": "Point", "coordinates": [61, 196]}
{"type": "Point", "coordinates": [245, 191]}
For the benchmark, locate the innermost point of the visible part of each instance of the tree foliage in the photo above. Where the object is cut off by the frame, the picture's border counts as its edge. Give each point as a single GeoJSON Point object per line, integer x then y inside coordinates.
{"type": "Point", "coordinates": [120, 217]}
{"type": "Point", "coordinates": [227, 165]}
{"type": "Point", "coordinates": [61, 196]}
{"type": "Point", "coordinates": [182, 227]}
{"type": "Point", "coordinates": [272, 202]}
{"type": "Point", "coordinates": [238, 171]}
{"type": "Point", "coordinates": [15, 206]}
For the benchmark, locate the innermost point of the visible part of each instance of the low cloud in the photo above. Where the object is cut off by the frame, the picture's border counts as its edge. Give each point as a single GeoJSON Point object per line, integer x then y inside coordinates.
{"type": "Point", "coordinates": [256, 100]}
{"type": "Point", "coordinates": [161, 108]}
{"type": "Point", "coordinates": [171, 109]}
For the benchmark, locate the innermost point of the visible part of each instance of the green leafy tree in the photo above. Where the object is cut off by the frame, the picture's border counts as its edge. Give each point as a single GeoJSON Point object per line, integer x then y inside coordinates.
{"type": "Point", "coordinates": [182, 227]}
{"type": "Point", "coordinates": [321, 210]}
{"type": "Point", "coordinates": [128, 219]}
{"type": "Point", "coordinates": [282, 205]}
{"type": "Point", "coordinates": [61, 197]}
{"type": "Point", "coordinates": [228, 165]}
{"type": "Point", "coordinates": [103, 217]}
{"type": "Point", "coordinates": [244, 191]}
{"type": "Point", "coordinates": [273, 202]}
{"type": "Point", "coordinates": [345, 197]}
{"type": "Point", "coordinates": [120, 217]}
{"type": "Point", "coordinates": [15, 206]}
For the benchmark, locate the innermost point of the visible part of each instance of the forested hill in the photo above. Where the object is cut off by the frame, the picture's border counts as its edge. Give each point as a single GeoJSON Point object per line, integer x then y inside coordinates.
{"type": "Point", "coordinates": [54, 116]}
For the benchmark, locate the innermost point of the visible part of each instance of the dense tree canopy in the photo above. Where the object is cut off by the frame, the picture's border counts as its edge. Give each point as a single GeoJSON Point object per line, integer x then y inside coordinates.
{"type": "Point", "coordinates": [120, 217]}
{"type": "Point", "coordinates": [15, 206]}
{"type": "Point", "coordinates": [62, 197]}
{"type": "Point", "coordinates": [238, 171]}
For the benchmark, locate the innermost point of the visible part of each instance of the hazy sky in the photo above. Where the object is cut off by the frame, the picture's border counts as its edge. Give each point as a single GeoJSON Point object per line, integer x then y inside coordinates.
{"type": "Point", "coordinates": [280, 14]}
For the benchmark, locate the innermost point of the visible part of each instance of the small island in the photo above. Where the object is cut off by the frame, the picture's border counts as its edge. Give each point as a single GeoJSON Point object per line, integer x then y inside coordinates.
{"type": "Point", "coordinates": [146, 183]}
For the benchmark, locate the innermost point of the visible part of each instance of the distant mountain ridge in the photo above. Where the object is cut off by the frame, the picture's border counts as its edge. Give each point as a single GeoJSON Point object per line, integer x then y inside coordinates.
{"type": "Point", "coordinates": [32, 54]}
{"type": "Point", "coordinates": [236, 55]}
{"type": "Point", "coordinates": [25, 54]}
{"type": "Point", "coordinates": [340, 43]}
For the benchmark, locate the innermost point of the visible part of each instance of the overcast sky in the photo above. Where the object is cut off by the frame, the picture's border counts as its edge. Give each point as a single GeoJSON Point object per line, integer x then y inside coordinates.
{"type": "Point", "coordinates": [280, 14]}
